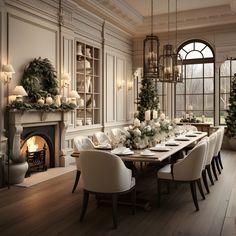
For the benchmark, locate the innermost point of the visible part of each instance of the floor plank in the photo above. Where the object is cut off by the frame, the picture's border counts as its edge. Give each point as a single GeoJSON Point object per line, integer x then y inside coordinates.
{"type": "Point", "coordinates": [50, 208]}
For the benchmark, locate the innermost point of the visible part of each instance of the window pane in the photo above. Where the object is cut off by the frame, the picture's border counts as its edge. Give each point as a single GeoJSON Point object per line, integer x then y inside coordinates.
{"type": "Point", "coordinates": [194, 86]}
{"type": "Point", "coordinates": [182, 53]}
{"type": "Point", "coordinates": [223, 114]}
{"type": "Point", "coordinates": [224, 101]}
{"type": "Point", "coordinates": [224, 84]}
{"type": "Point", "coordinates": [180, 102]}
{"type": "Point", "coordinates": [179, 114]}
{"type": "Point", "coordinates": [233, 67]}
{"type": "Point", "coordinates": [180, 88]}
{"type": "Point", "coordinates": [208, 102]}
{"type": "Point", "coordinates": [194, 55]}
{"type": "Point", "coordinates": [188, 47]}
{"type": "Point", "coordinates": [207, 52]}
{"type": "Point", "coordinates": [225, 68]}
{"type": "Point", "coordinates": [195, 100]}
{"type": "Point", "coordinates": [209, 116]}
{"type": "Point", "coordinates": [209, 70]}
{"type": "Point", "coordinates": [208, 85]}
{"type": "Point", "coordinates": [194, 71]}
{"type": "Point", "coordinates": [199, 46]}
{"type": "Point", "coordinates": [159, 88]}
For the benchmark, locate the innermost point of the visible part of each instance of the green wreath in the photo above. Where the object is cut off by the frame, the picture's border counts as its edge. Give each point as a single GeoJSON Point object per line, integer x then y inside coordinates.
{"type": "Point", "coordinates": [39, 79]}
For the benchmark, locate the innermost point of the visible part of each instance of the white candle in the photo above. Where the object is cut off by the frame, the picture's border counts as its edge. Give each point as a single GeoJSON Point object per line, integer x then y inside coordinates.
{"type": "Point", "coordinates": [147, 115]}
{"type": "Point", "coordinates": [190, 107]}
{"type": "Point", "coordinates": [154, 114]}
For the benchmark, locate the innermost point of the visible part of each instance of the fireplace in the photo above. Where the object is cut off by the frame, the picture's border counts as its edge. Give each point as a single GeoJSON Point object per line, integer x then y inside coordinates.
{"type": "Point", "coordinates": [45, 129]}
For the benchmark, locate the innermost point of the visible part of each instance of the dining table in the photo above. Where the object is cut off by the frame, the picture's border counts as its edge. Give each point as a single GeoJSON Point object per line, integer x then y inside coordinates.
{"type": "Point", "coordinates": [158, 155]}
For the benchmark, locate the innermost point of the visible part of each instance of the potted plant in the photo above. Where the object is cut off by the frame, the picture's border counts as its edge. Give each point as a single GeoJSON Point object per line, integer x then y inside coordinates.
{"type": "Point", "coordinates": [230, 119]}
{"type": "Point", "coordinates": [18, 167]}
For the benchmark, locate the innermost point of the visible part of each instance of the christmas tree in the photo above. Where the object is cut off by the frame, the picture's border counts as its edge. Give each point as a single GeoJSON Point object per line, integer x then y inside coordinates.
{"type": "Point", "coordinates": [147, 98]}
{"type": "Point", "coordinates": [231, 117]}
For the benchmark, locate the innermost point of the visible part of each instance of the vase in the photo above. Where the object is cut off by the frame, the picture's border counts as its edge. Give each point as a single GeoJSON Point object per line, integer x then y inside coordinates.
{"type": "Point", "coordinates": [17, 172]}
{"type": "Point", "coordinates": [232, 143]}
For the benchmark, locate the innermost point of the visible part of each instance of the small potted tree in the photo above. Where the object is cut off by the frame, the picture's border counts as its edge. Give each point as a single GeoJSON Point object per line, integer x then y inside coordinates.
{"type": "Point", "coordinates": [231, 117]}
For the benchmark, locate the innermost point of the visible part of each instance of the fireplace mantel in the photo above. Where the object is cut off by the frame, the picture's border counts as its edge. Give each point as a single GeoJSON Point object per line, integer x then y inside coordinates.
{"type": "Point", "coordinates": [18, 120]}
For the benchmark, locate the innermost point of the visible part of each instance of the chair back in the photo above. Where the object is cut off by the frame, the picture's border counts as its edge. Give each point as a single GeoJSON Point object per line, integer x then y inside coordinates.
{"type": "Point", "coordinates": [190, 168]}
{"type": "Point", "coordinates": [104, 172]}
{"type": "Point", "coordinates": [222, 129]}
{"type": "Point", "coordinates": [83, 143]}
{"type": "Point", "coordinates": [101, 138]}
{"type": "Point", "coordinates": [211, 148]}
{"type": "Point", "coordinates": [217, 142]}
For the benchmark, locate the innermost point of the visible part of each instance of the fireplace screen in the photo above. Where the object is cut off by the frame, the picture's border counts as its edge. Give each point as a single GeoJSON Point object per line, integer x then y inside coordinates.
{"type": "Point", "coordinates": [37, 153]}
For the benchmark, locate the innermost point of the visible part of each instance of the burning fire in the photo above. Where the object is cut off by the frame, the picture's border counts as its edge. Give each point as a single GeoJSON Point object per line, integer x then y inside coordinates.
{"type": "Point", "coordinates": [32, 146]}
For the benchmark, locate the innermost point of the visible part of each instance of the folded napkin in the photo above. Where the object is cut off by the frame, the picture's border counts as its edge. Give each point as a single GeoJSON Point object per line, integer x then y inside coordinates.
{"type": "Point", "coordinates": [191, 135]}
{"type": "Point", "coordinates": [121, 150]}
{"type": "Point", "coordinates": [171, 143]}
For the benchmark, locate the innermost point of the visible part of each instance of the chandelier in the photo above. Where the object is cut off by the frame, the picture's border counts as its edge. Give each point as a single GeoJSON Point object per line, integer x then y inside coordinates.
{"type": "Point", "coordinates": [171, 63]}
{"type": "Point", "coordinates": [151, 53]}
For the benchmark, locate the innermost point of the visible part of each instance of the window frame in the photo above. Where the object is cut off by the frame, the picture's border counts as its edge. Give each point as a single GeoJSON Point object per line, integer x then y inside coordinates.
{"type": "Point", "coordinates": [202, 61]}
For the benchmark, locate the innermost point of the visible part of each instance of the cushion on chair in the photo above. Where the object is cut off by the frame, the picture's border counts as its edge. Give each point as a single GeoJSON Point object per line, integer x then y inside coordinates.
{"type": "Point", "coordinates": [165, 172]}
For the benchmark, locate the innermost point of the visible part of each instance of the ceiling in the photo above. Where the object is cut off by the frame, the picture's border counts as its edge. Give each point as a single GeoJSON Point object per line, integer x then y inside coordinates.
{"type": "Point", "coordinates": [133, 16]}
{"type": "Point", "coordinates": [143, 7]}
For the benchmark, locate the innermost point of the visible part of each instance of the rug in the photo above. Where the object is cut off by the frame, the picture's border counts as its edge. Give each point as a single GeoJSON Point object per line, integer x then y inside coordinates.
{"type": "Point", "coordinates": [40, 177]}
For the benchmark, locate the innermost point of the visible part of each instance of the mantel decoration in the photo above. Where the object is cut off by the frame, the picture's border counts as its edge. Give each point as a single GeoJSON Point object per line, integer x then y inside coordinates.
{"type": "Point", "coordinates": [230, 119]}
{"type": "Point", "coordinates": [39, 79]}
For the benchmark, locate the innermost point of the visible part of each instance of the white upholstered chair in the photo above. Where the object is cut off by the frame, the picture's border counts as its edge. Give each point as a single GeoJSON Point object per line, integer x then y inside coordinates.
{"type": "Point", "coordinates": [220, 146]}
{"type": "Point", "coordinates": [207, 165]}
{"type": "Point", "coordinates": [188, 170]}
{"type": "Point", "coordinates": [215, 160]}
{"type": "Point", "coordinates": [105, 174]}
{"type": "Point", "coordinates": [81, 143]}
{"type": "Point", "coordinates": [100, 138]}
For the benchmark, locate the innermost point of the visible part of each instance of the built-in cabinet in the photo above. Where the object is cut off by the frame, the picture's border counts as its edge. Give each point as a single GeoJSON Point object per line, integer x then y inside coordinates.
{"type": "Point", "coordinates": [88, 84]}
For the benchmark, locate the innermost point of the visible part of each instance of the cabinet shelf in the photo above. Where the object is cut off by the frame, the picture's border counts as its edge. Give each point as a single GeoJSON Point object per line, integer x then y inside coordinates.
{"type": "Point", "coordinates": [88, 84]}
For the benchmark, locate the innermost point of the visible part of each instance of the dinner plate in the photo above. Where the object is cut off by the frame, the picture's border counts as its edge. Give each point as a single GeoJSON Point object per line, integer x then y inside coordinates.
{"type": "Point", "coordinates": [197, 132]}
{"type": "Point", "coordinates": [171, 143]}
{"type": "Point", "coordinates": [147, 154]}
{"type": "Point", "coordinates": [182, 139]}
{"type": "Point", "coordinates": [159, 149]}
{"type": "Point", "coordinates": [122, 153]}
{"type": "Point", "coordinates": [191, 135]}
{"type": "Point", "coordinates": [103, 147]}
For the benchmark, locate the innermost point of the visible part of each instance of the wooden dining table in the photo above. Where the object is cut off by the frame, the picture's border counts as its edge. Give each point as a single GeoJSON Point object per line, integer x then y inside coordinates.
{"type": "Point", "coordinates": [158, 156]}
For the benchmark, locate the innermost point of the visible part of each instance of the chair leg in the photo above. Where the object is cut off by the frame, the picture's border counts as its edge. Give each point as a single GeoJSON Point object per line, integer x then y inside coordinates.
{"type": "Point", "coordinates": [213, 165]}
{"type": "Point", "coordinates": [133, 199]}
{"type": "Point", "coordinates": [219, 158]}
{"type": "Point", "coordinates": [76, 180]}
{"type": "Point", "coordinates": [199, 183]}
{"type": "Point", "coordinates": [85, 204]}
{"type": "Point", "coordinates": [194, 194]}
{"type": "Point", "coordinates": [208, 168]}
{"type": "Point", "coordinates": [205, 180]}
{"type": "Point", "coordinates": [114, 209]}
{"type": "Point", "coordinates": [217, 164]}
{"type": "Point", "coordinates": [158, 192]}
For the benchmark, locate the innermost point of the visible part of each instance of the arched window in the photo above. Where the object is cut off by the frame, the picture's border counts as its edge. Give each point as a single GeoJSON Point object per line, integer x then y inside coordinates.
{"type": "Point", "coordinates": [196, 93]}
{"type": "Point", "coordinates": [227, 71]}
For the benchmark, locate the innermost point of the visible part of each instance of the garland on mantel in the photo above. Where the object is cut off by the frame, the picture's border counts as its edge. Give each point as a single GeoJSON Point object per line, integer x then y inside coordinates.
{"type": "Point", "coordinates": [23, 106]}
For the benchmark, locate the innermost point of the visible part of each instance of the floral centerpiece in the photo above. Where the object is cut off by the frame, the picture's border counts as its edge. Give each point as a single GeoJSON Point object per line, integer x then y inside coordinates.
{"type": "Point", "coordinates": [147, 133]}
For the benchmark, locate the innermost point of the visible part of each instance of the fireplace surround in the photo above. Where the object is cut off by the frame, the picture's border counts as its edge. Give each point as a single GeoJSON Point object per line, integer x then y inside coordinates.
{"type": "Point", "coordinates": [49, 125]}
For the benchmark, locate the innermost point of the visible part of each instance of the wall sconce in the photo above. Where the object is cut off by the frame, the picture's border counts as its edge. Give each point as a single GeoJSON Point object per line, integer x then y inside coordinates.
{"type": "Point", "coordinates": [120, 83]}
{"type": "Point", "coordinates": [74, 96]}
{"type": "Point", "coordinates": [20, 92]}
{"type": "Point", "coordinates": [130, 84]}
{"type": "Point", "coordinates": [8, 70]}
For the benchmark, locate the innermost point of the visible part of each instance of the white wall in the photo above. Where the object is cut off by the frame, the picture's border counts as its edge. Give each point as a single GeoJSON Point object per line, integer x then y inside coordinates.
{"type": "Point", "coordinates": [30, 29]}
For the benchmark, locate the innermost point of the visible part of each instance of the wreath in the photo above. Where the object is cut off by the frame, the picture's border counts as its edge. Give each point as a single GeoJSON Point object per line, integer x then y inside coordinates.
{"type": "Point", "coordinates": [39, 79]}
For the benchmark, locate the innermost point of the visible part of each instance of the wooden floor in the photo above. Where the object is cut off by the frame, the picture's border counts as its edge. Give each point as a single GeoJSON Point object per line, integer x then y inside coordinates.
{"type": "Point", "coordinates": [51, 209]}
